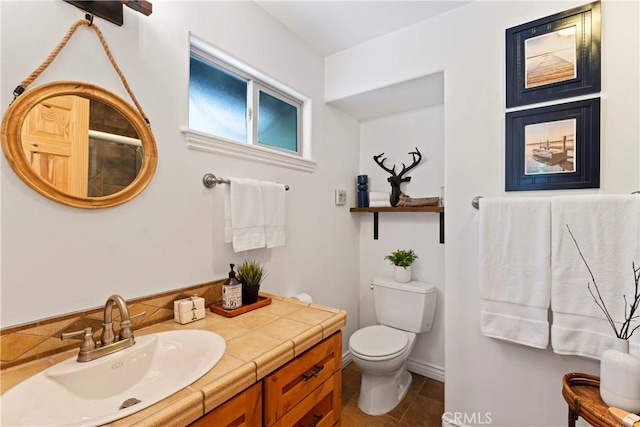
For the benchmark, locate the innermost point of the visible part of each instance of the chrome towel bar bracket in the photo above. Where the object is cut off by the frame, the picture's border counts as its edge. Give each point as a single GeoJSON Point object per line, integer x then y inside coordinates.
{"type": "Point", "coordinates": [475, 202]}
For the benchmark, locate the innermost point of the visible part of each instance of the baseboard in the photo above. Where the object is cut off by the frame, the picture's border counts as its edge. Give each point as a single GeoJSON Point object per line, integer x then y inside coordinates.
{"type": "Point", "coordinates": [426, 369]}
{"type": "Point", "coordinates": [346, 359]}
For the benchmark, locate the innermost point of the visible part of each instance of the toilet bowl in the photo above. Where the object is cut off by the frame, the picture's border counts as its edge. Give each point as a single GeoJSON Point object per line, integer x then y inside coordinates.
{"type": "Point", "coordinates": [381, 354]}
{"type": "Point", "coordinates": [381, 351]}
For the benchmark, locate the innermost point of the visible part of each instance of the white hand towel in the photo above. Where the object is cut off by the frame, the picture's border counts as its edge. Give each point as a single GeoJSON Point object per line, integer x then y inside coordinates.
{"type": "Point", "coordinates": [273, 200]}
{"type": "Point", "coordinates": [514, 269]}
{"type": "Point", "coordinates": [607, 229]}
{"type": "Point", "coordinates": [379, 203]}
{"type": "Point", "coordinates": [378, 195]}
{"type": "Point", "coordinates": [228, 228]}
{"type": "Point", "coordinates": [247, 214]}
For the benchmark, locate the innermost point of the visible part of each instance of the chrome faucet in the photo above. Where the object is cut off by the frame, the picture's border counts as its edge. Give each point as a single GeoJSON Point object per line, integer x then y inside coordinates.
{"type": "Point", "coordinates": [89, 350]}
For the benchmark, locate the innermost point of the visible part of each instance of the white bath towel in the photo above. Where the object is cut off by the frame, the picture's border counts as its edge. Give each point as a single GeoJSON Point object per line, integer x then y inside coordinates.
{"type": "Point", "coordinates": [273, 200]}
{"type": "Point", "coordinates": [378, 195]}
{"type": "Point", "coordinates": [245, 215]}
{"type": "Point", "coordinates": [607, 229]}
{"type": "Point", "coordinates": [514, 269]}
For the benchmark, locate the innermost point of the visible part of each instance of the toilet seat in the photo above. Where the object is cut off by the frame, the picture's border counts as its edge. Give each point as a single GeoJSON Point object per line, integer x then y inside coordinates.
{"type": "Point", "coordinates": [378, 341]}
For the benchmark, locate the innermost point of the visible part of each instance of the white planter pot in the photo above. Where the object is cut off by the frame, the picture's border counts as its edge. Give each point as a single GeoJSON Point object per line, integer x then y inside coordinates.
{"type": "Point", "coordinates": [402, 274]}
{"type": "Point", "coordinates": [620, 378]}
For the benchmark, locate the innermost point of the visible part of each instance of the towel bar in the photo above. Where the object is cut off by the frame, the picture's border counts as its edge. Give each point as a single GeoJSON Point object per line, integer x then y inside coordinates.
{"type": "Point", "coordinates": [210, 180]}
{"type": "Point", "coordinates": [475, 202]}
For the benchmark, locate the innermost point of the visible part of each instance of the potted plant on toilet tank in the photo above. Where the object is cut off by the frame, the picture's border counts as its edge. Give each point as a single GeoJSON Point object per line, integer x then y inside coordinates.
{"type": "Point", "coordinates": [250, 274]}
{"type": "Point", "coordinates": [402, 260]}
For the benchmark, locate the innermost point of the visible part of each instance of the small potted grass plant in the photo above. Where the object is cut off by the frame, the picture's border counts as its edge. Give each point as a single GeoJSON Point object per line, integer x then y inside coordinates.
{"type": "Point", "coordinates": [402, 260]}
{"type": "Point", "coordinates": [250, 274]}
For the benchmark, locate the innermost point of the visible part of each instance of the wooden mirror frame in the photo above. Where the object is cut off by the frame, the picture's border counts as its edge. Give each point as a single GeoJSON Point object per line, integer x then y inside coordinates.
{"type": "Point", "coordinates": [12, 142]}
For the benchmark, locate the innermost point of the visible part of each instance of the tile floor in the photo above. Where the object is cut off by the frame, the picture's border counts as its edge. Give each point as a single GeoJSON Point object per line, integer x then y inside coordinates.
{"type": "Point", "coordinates": [423, 405]}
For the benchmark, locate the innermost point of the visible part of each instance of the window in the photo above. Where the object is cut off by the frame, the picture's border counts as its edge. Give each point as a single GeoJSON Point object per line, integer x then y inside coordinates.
{"type": "Point", "coordinates": [217, 101]}
{"type": "Point", "coordinates": [231, 103]}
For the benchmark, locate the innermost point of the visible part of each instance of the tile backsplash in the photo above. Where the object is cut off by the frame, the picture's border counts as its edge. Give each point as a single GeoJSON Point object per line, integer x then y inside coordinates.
{"type": "Point", "coordinates": [41, 338]}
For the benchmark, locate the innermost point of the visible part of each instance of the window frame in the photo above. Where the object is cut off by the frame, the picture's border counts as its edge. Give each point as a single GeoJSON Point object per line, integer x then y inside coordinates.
{"type": "Point", "coordinates": [258, 87]}
{"type": "Point", "coordinates": [257, 81]}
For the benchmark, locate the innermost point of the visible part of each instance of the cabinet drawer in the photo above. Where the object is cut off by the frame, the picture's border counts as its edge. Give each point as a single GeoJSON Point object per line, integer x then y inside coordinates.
{"type": "Point", "coordinates": [321, 408]}
{"type": "Point", "coordinates": [286, 387]}
{"type": "Point", "coordinates": [243, 410]}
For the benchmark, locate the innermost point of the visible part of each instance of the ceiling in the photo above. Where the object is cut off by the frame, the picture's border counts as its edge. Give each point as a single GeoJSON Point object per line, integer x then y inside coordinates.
{"type": "Point", "coordinates": [401, 97]}
{"type": "Point", "coordinates": [331, 26]}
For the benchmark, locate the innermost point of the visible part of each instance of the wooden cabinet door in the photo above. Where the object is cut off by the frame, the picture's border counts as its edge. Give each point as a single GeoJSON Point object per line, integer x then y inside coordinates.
{"type": "Point", "coordinates": [55, 139]}
{"type": "Point", "coordinates": [321, 408]}
{"type": "Point", "coordinates": [286, 387]}
{"type": "Point", "coordinates": [243, 410]}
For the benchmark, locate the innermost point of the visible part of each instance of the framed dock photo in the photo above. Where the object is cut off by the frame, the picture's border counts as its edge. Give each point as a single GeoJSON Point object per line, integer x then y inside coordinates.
{"type": "Point", "coordinates": [554, 57]}
{"type": "Point", "coordinates": [553, 148]}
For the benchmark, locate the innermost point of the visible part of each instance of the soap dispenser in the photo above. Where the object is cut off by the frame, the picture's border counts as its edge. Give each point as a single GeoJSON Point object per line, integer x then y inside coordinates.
{"type": "Point", "coordinates": [231, 291]}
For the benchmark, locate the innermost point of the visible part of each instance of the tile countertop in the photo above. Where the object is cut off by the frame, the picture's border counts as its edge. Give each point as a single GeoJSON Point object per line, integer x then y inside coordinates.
{"type": "Point", "coordinates": [258, 342]}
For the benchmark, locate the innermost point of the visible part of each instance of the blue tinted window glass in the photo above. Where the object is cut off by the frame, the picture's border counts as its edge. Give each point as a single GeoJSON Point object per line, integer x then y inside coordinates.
{"type": "Point", "coordinates": [217, 101]}
{"type": "Point", "coordinates": [277, 123]}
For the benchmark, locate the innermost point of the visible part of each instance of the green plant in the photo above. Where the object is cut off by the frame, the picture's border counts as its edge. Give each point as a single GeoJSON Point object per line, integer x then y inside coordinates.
{"type": "Point", "coordinates": [402, 257]}
{"type": "Point", "coordinates": [251, 273]}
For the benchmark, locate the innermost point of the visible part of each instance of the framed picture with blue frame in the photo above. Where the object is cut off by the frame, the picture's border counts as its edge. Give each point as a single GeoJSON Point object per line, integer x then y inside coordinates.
{"type": "Point", "coordinates": [554, 57]}
{"type": "Point", "coordinates": [553, 148]}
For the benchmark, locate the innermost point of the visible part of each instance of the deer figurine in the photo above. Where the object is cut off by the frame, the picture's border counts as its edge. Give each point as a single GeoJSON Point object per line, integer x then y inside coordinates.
{"type": "Point", "coordinates": [397, 179]}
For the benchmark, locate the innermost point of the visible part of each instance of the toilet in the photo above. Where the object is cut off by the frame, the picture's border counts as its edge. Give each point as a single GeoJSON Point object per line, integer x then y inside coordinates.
{"type": "Point", "coordinates": [381, 351]}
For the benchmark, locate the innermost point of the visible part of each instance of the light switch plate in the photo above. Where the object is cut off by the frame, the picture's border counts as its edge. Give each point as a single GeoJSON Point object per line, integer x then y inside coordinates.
{"type": "Point", "coordinates": [341, 197]}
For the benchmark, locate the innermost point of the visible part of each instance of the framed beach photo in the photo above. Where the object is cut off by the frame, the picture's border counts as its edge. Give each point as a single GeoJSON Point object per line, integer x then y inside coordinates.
{"type": "Point", "coordinates": [553, 148]}
{"type": "Point", "coordinates": [554, 57]}
{"type": "Point", "coordinates": [550, 147]}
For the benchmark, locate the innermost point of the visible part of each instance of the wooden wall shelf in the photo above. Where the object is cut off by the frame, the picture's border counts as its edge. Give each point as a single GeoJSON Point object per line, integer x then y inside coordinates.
{"type": "Point", "coordinates": [433, 209]}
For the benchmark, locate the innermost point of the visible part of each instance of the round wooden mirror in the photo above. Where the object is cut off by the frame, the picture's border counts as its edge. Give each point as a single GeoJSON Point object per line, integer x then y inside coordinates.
{"type": "Point", "coordinates": [79, 144]}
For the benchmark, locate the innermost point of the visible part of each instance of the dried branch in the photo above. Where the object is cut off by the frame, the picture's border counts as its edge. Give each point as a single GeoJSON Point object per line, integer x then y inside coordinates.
{"type": "Point", "coordinates": [633, 307]}
{"type": "Point", "coordinates": [600, 304]}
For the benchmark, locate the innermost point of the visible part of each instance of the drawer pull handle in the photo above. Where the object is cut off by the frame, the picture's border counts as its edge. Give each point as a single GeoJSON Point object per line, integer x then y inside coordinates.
{"type": "Point", "coordinates": [313, 374]}
{"type": "Point", "coordinates": [316, 419]}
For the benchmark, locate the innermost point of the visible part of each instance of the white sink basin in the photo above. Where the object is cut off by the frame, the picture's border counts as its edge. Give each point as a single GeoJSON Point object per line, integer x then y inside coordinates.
{"type": "Point", "coordinates": [91, 393]}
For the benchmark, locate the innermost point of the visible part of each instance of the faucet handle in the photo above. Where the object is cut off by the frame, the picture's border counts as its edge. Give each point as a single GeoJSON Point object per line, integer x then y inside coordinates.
{"type": "Point", "coordinates": [87, 343]}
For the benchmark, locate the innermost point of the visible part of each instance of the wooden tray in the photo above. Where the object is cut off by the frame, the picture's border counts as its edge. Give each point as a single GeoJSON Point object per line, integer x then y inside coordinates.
{"type": "Point", "coordinates": [582, 393]}
{"type": "Point", "coordinates": [217, 308]}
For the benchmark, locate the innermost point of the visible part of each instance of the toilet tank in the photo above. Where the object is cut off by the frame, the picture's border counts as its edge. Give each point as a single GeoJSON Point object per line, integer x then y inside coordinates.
{"type": "Point", "coordinates": [407, 306]}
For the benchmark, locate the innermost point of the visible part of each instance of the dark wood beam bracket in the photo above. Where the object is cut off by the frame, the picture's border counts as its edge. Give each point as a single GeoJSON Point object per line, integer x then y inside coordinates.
{"type": "Point", "coordinates": [111, 10]}
{"type": "Point", "coordinates": [376, 211]}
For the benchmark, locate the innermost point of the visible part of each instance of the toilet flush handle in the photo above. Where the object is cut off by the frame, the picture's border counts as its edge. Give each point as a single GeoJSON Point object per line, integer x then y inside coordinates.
{"type": "Point", "coordinates": [371, 286]}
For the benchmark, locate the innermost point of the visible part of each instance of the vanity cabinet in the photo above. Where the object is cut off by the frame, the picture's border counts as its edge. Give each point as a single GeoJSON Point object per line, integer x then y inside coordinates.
{"type": "Point", "coordinates": [307, 390]}
{"type": "Point", "coordinates": [243, 410]}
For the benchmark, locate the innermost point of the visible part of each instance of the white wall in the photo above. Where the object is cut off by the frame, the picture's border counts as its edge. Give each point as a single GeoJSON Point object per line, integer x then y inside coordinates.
{"type": "Point", "coordinates": [57, 259]}
{"type": "Point", "coordinates": [520, 386]}
{"type": "Point", "coordinates": [396, 136]}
